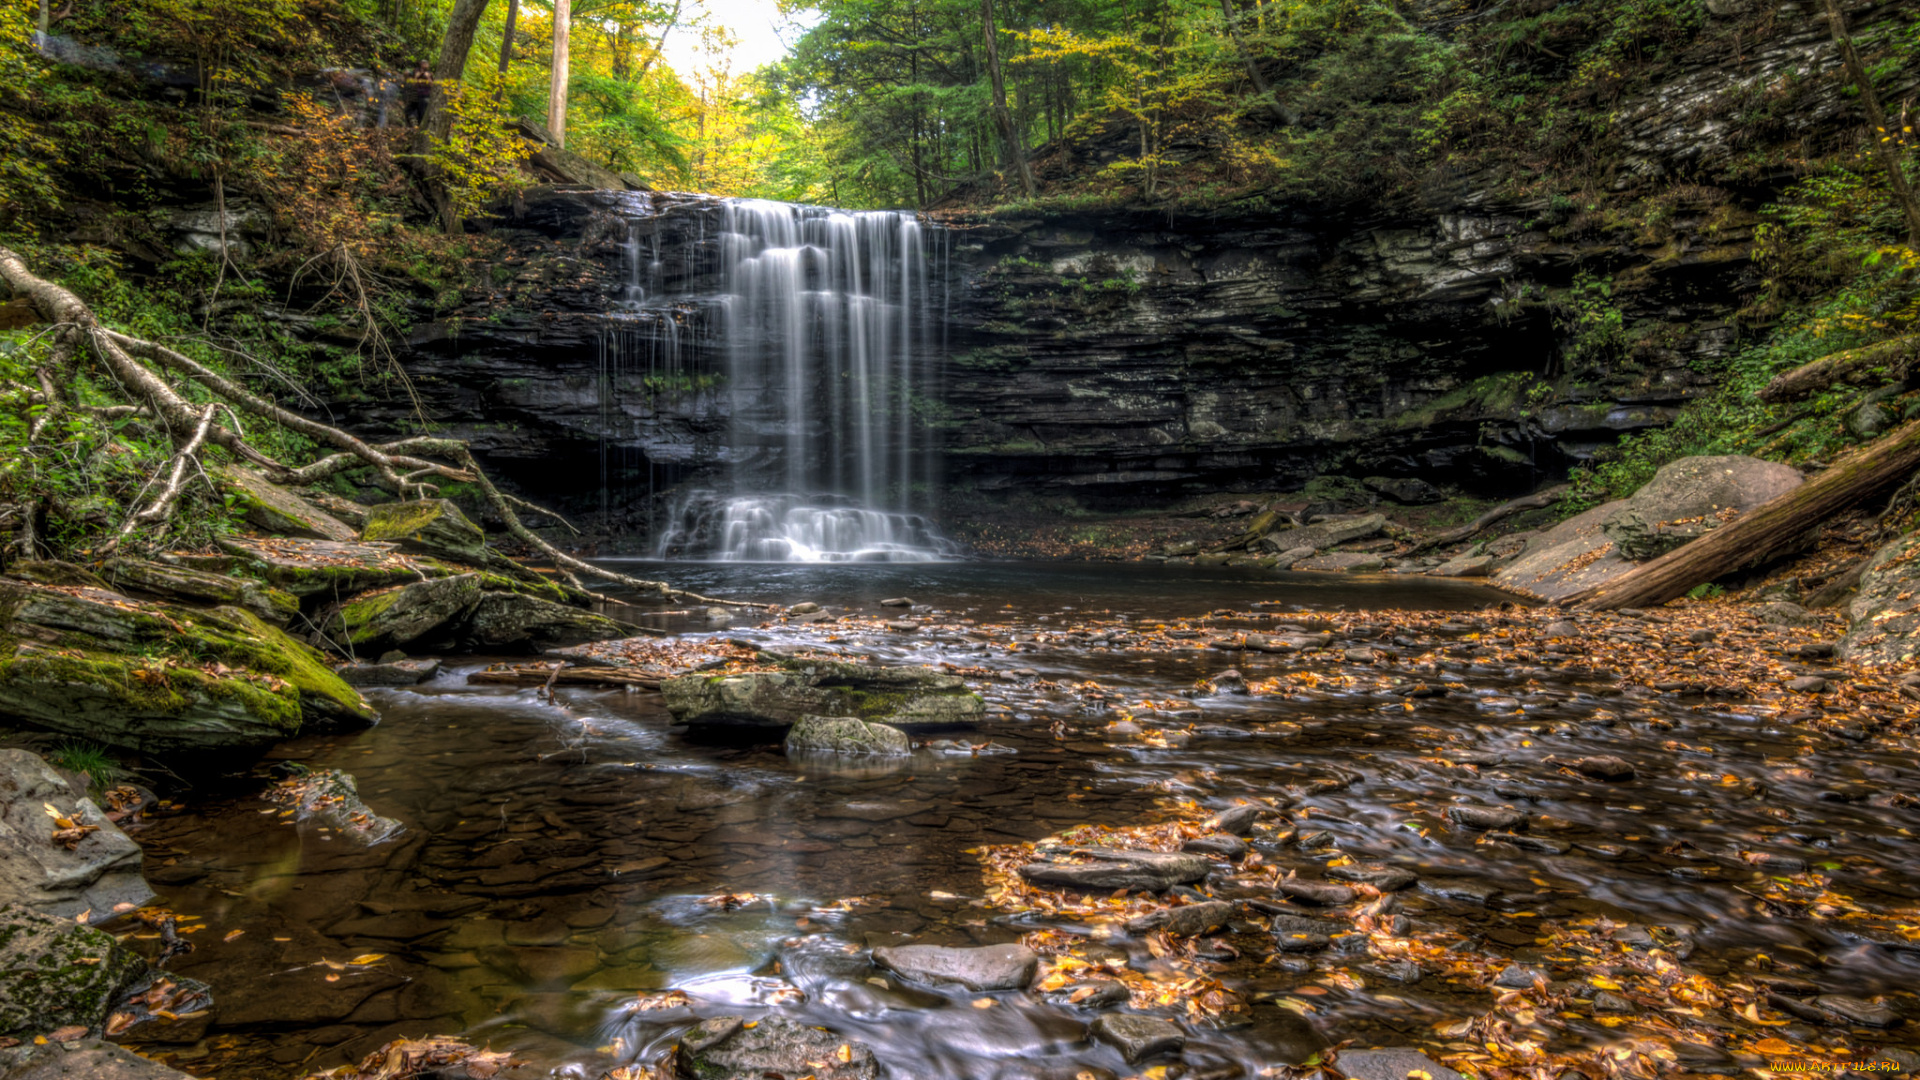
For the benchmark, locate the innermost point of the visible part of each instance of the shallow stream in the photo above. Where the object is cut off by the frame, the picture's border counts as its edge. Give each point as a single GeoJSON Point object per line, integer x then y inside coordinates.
{"type": "Point", "coordinates": [561, 858]}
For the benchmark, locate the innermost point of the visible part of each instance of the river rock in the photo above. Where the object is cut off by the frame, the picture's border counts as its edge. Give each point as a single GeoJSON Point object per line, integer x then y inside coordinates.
{"type": "Point", "coordinates": [1288, 558]}
{"type": "Point", "coordinates": [1322, 893]}
{"type": "Point", "coordinates": [900, 696]}
{"type": "Point", "coordinates": [1225, 845]}
{"type": "Point", "coordinates": [1345, 562]}
{"type": "Point", "coordinates": [1236, 820]}
{"type": "Point", "coordinates": [1301, 933]}
{"type": "Point", "coordinates": [55, 973]}
{"type": "Point", "coordinates": [153, 676]}
{"type": "Point", "coordinates": [847, 735]}
{"type": "Point", "coordinates": [805, 608]}
{"type": "Point", "coordinates": [1884, 617]}
{"type": "Point", "coordinates": [1153, 871]}
{"type": "Point", "coordinates": [503, 619]}
{"type": "Point", "coordinates": [101, 871]}
{"type": "Point", "coordinates": [273, 509]}
{"type": "Point", "coordinates": [1487, 817]}
{"type": "Point", "coordinates": [1405, 490]}
{"type": "Point", "coordinates": [1394, 1063]}
{"type": "Point", "coordinates": [1464, 566]}
{"type": "Point", "coordinates": [1092, 994]}
{"type": "Point", "coordinates": [897, 601]}
{"type": "Point", "coordinates": [167, 582]}
{"type": "Point", "coordinates": [392, 617]}
{"type": "Point", "coordinates": [1853, 1010]}
{"type": "Point", "coordinates": [1137, 1037]}
{"type": "Point", "coordinates": [1384, 878]}
{"type": "Point", "coordinates": [726, 1048]}
{"type": "Point", "coordinates": [1187, 920]}
{"type": "Point", "coordinates": [88, 1059]}
{"type": "Point", "coordinates": [982, 969]}
{"type": "Point", "coordinates": [388, 672]}
{"type": "Point", "coordinates": [1592, 548]}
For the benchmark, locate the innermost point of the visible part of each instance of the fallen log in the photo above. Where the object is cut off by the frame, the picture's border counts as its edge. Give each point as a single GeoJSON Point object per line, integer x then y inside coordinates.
{"type": "Point", "coordinates": [1261, 525]}
{"type": "Point", "coordinates": [1896, 356]}
{"type": "Point", "coordinates": [546, 675]}
{"type": "Point", "coordinates": [1768, 530]}
{"type": "Point", "coordinates": [1505, 510]}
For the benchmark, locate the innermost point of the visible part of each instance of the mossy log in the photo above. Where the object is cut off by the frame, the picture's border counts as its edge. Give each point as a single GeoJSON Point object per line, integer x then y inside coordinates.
{"type": "Point", "coordinates": [1891, 358]}
{"type": "Point", "coordinates": [1771, 529]}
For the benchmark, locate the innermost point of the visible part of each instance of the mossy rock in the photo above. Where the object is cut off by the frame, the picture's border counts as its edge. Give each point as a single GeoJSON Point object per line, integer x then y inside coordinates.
{"type": "Point", "coordinates": [54, 572]}
{"type": "Point", "coordinates": [502, 619]}
{"type": "Point", "coordinates": [397, 615]}
{"type": "Point", "coordinates": [55, 973]}
{"type": "Point", "coordinates": [309, 567]}
{"type": "Point", "coordinates": [911, 696]}
{"type": "Point", "coordinates": [182, 583]}
{"type": "Point", "coordinates": [729, 1048]}
{"type": "Point", "coordinates": [847, 735]}
{"type": "Point", "coordinates": [160, 677]}
{"type": "Point", "coordinates": [429, 527]}
{"type": "Point", "coordinates": [273, 509]}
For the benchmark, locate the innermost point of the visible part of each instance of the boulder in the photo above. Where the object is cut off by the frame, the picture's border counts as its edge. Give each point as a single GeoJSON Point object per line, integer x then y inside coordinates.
{"type": "Point", "coordinates": [141, 576]}
{"type": "Point", "coordinates": [726, 1048]}
{"type": "Point", "coordinates": [55, 973]}
{"type": "Point", "coordinates": [1137, 1037]}
{"type": "Point", "coordinates": [847, 735]}
{"type": "Point", "coordinates": [427, 527]}
{"type": "Point", "coordinates": [1884, 617]}
{"type": "Point", "coordinates": [101, 869]}
{"type": "Point", "coordinates": [900, 696]}
{"type": "Point", "coordinates": [983, 969]}
{"type": "Point", "coordinates": [1684, 499]}
{"type": "Point", "coordinates": [386, 672]}
{"type": "Point", "coordinates": [307, 567]}
{"type": "Point", "coordinates": [1286, 559]}
{"type": "Point", "coordinates": [273, 509]}
{"type": "Point", "coordinates": [1404, 490]}
{"type": "Point", "coordinates": [499, 619]}
{"type": "Point", "coordinates": [1326, 533]}
{"type": "Point", "coordinates": [397, 615]}
{"type": "Point", "coordinates": [159, 677]}
{"type": "Point", "coordinates": [81, 1059]}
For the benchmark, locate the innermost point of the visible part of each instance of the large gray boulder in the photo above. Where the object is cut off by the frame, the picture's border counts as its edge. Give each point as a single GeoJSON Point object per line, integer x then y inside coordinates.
{"type": "Point", "coordinates": [100, 870]}
{"type": "Point", "coordinates": [726, 1048]}
{"type": "Point", "coordinates": [1885, 614]}
{"type": "Point", "coordinates": [55, 973]}
{"type": "Point", "coordinates": [808, 686]}
{"type": "Point", "coordinates": [1684, 499]}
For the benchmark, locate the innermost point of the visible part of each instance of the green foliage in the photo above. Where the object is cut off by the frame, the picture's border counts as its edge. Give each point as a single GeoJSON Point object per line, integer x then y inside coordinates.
{"type": "Point", "coordinates": [88, 759]}
{"type": "Point", "coordinates": [1596, 331]}
{"type": "Point", "coordinates": [26, 178]}
{"type": "Point", "coordinates": [1706, 591]}
{"type": "Point", "coordinates": [479, 160]}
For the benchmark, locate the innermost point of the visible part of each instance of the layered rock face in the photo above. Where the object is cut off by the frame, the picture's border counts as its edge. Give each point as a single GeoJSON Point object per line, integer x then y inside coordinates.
{"type": "Point", "coordinates": [1483, 343]}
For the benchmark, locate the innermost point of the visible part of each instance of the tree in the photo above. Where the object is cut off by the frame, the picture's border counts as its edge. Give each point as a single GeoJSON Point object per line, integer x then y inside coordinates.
{"type": "Point", "coordinates": [557, 95]}
{"type": "Point", "coordinates": [462, 24]}
{"type": "Point", "coordinates": [1010, 134]}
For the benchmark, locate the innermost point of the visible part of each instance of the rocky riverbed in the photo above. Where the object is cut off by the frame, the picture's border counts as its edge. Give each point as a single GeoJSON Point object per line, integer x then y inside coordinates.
{"type": "Point", "coordinates": [1498, 837]}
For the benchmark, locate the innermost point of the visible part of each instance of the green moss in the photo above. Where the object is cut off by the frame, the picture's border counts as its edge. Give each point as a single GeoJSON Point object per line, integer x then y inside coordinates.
{"type": "Point", "coordinates": [393, 521]}
{"type": "Point", "coordinates": [1492, 395]}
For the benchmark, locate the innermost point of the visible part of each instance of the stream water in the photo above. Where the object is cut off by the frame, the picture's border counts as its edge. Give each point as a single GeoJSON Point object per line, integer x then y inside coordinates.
{"type": "Point", "coordinates": [562, 857]}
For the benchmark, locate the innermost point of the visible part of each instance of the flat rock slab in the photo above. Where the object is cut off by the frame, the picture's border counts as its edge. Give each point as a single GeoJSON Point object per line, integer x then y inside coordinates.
{"type": "Point", "coordinates": [1137, 1037]}
{"type": "Point", "coordinates": [91, 1059]}
{"type": "Point", "coordinates": [499, 619]}
{"type": "Point", "coordinates": [270, 507]}
{"type": "Point", "coordinates": [987, 968]}
{"type": "Point", "coordinates": [1884, 616]}
{"type": "Point", "coordinates": [1395, 1063]}
{"type": "Point", "coordinates": [101, 870]}
{"type": "Point", "coordinates": [1384, 878]}
{"type": "Point", "coordinates": [1344, 562]}
{"type": "Point", "coordinates": [1153, 871]}
{"type": "Point", "coordinates": [1188, 920]}
{"type": "Point", "coordinates": [305, 567]}
{"type": "Point", "coordinates": [1301, 933]}
{"type": "Point", "coordinates": [1487, 817]}
{"type": "Point", "coordinates": [396, 673]}
{"type": "Point", "coordinates": [725, 1048]}
{"type": "Point", "coordinates": [797, 686]}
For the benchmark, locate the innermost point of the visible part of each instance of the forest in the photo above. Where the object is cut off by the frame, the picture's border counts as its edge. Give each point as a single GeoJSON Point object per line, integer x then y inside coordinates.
{"type": "Point", "coordinates": [951, 539]}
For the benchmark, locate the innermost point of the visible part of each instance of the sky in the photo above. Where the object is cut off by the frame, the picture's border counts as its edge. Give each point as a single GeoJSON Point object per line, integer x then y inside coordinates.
{"type": "Point", "coordinates": [757, 24]}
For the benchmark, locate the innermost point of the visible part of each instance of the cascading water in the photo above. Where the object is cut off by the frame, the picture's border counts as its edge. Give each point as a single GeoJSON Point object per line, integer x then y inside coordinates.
{"type": "Point", "coordinates": [827, 330]}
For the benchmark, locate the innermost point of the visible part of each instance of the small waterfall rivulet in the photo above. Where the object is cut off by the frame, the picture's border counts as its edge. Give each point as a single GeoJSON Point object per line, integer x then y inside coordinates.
{"type": "Point", "coordinates": [821, 342]}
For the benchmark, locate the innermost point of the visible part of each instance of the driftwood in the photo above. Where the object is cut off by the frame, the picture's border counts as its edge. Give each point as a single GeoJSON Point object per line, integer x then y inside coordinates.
{"type": "Point", "coordinates": [404, 466]}
{"type": "Point", "coordinates": [1766, 531]}
{"type": "Point", "coordinates": [546, 675]}
{"type": "Point", "coordinates": [1505, 510]}
{"type": "Point", "coordinates": [1895, 356]}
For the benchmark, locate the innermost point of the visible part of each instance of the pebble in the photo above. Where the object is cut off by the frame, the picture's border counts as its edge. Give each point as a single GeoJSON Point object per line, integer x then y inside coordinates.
{"type": "Point", "coordinates": [1098, 994]}
{"type": "Point", "coordinates": [1405, 972]}
{"type": "Point", "coordinates": [1299, 933]}
{"type": "Point", "coordinates": [1604, 767]}
{"type": "Point", "coordinates": [1467, 890]}
{"type": "Point", "coordinates": [1236, 820]}
{"type": "Point", "coordinates": [902, 626]}
{"type": "Point", "coordinates": [1519, 977]}
{"type": "Point", "coordinates": [1531, 843]}
{"type": "Point", "coordinates": [1229, 681]}
{"type": "Point", "coordinates": [1187, 920]}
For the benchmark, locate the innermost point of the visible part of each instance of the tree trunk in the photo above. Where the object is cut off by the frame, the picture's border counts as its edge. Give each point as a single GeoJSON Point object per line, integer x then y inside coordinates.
{"type": "Point", "coordinates": [506, 37]}
{"type": "Point", "coordinates": [1897, 356]}
{"type": "Point", "coordinates": [452, 64]}
{"type": "Point", "coordinates": [1253, 68]}
{"type": "Point", "coordinates": [1766, 531]}
{"type": "Point", "coordinates": [1878, 133]}
{"type": "Point", "coordinates": [1002, 116]}
{"type": "Point", "coordinates": [557, 96]}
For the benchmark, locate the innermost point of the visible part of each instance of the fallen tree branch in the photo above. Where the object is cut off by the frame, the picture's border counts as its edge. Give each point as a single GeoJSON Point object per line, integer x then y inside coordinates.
{"type": "Point", "coordinates": [1766, 531]}
{"type": "Point", "coordinates": [1896, 356]}
{"type": "Point", "coordinates": [1505, 510]}
{"type": "Point", "coordinates": [162, 504]}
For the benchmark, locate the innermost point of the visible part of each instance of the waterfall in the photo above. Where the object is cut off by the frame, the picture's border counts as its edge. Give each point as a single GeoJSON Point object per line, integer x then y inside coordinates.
{"type": "Point", "coordinates": [824, 330]}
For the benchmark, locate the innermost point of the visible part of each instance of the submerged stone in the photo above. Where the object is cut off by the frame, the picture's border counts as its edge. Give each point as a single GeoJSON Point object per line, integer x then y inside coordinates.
{"type": "Point", "coordinates": [726, 1048]}
{"type": "Point", "coordinates": [1137, 1037]}
{"type": "Point", "coordinates": [847, 735]}
{"type": "Point", "coordinates": [900, 696]}
{"type": "Point", "coordinates": [55, 972]}
{"type": "Point", "coordinates": [983, 969]}
{"type": "Point", "coordinates": [1396, 1063]}
{"type": "Point", "coordinates": [1154, 871]}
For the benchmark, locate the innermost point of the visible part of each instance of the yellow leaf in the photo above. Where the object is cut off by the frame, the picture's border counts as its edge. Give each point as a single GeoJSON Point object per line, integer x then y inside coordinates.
{"type": "Point", "coordinates": [1773, 1046]}
{"type": "Point", "coordinates": [982, 1003]}
{"type": "Point", "coordinates": [368, 958]}
{"type": "Point", "coordinates": [1601, 982]}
